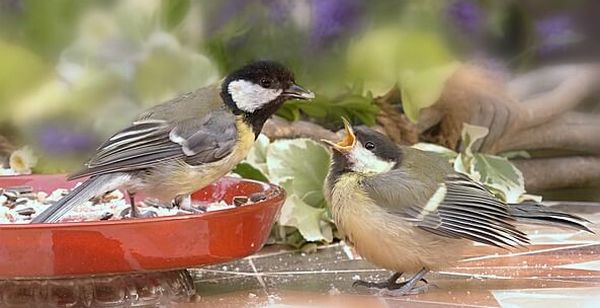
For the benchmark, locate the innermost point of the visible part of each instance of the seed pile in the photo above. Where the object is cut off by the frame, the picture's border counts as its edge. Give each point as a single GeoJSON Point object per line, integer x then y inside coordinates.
{"type": "Point", "coordinates": [20, 204]}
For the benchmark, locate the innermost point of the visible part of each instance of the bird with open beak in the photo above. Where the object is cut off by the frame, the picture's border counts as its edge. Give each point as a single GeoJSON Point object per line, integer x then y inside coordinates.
{"type": "Point", "coordinates": [408, 211]}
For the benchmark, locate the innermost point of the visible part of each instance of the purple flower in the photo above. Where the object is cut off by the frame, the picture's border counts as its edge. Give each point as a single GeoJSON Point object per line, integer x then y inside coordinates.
{"type": "Point", "coordinates": [226, 11]}
{"type": "Point", "coordinates": [11, 6]}
{"type": "Point", "coordinates": [467, 15]}
{"type": "Point", "coordinates": [555, 33]}
{"type": "Point", "coordinates": [55, 139]}
{"type": "Point", "coordinates": [278, 10]}
{"type": "Point", "coordinates": [333, 18]}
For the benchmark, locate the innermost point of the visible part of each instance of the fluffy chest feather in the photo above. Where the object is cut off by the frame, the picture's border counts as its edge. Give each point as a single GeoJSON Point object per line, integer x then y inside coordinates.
{"type": "Point", "coordinates": [379, 236]}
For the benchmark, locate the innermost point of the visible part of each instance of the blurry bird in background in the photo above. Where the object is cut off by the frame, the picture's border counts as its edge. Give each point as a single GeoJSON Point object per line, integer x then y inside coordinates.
{"type": "Point", "coordinates": [184, 144]}
{"type": "Point", "coordinates": [408, 211]}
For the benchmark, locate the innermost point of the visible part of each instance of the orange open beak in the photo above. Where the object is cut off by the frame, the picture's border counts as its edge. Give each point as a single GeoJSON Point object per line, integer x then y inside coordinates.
{"type": "Point", "coordinates": [347, 143]}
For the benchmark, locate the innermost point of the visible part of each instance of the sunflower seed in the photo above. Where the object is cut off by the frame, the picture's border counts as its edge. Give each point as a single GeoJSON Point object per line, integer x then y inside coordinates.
{"type": "Point", "coordinates": [106, 216]}
{"type": "Point", "coordinates": [21, 200]}
{"type": "Point", "coordinates": [257, 197]}
{"type": "Point", "coordinates": [28, 211]}
{"type": "Point", "coordinates": [11, 195]}
{"type": "Point", "coordinates": [240, 200]}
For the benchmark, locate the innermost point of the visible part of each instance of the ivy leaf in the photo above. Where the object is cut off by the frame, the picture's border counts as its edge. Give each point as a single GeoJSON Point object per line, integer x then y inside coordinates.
{"type": "Point", "coordinates": [248, 171]}
{"type": "Point", "coordinates": [431, 147]}
{"type": "Point", "coordinates": [471, 134]}
{"type": "Point", "coordinates": [497, 173]}
{"type": "Point", "coordinates": [304, 163]}
{"type": "Point", "coordinates": [257, 157]}
{"type": "Point", "coordinates": [501, 176]}
{"type": "Point", "coordinates": [307, 219]}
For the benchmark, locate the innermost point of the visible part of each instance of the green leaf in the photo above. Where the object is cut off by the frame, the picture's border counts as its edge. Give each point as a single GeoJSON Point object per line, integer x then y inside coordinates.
{"type": "Point", "coordinates": [300, 165]}
{"type": "Point", "coordinates": [295, 239]}
{"type": "Point", "coordinates": [248, 171]}
{"type": "Point", "coordinates": [421, 89]}
{"type": "Point", "coordinates": [307, 219]}
{"type": "Point", "coordinates": [289, 111]}
{"type": "Point", "coordinates": [382, 55]}
{"type": "Point", "coordinates": [21, 72]}
{"type": "Point", "coordinates": [47, 26]}
{"type": "Point", "coordinates": [257, 157]}
{"type": "Point", "coordinates": [173, 12]}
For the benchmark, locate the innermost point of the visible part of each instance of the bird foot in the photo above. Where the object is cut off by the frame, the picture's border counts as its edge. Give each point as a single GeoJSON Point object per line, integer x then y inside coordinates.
{"type": "Point", "coordinates": [406, 290]}
{"type": "Point", "coordinates": [392, 287]}
{"type": "Point", "coordinates": [137, 214]}
{"type": "Point", "coordinates": [382, 285]}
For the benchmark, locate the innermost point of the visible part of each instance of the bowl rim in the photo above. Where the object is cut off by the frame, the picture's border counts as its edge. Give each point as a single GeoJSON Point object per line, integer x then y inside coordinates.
{"type": "Point", "coordinates": [280, 194]}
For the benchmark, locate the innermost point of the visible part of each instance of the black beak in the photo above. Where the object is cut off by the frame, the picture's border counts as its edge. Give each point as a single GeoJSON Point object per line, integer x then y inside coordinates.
{"type": "Point", "coordinates": [298, 92]}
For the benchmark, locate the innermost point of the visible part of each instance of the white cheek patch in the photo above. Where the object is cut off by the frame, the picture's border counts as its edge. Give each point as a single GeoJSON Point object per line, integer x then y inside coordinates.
{"type": "Point", "coordinates": [249, 96]}
{"type": "Point", "coordinates": [365, 161]}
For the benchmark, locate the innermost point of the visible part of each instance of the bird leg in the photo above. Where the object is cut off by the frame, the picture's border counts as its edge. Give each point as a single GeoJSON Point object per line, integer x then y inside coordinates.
{"type": "Point", "coordinates": [392, 287]}
{"type": "Point", "coordinates": [134, 210]}
{"type": "Point", "coordinates": [135, 213]}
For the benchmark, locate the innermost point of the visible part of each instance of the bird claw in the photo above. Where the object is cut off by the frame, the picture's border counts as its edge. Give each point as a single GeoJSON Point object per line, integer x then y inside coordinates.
{"type": "Point", "coordinates": [406, 290]}
{"type": "Point", "coordinates": [391, 287]}
{"type": "Point", "coordinates": [136, 214]}
{"type": "Point", "coordinates": [369, 284]}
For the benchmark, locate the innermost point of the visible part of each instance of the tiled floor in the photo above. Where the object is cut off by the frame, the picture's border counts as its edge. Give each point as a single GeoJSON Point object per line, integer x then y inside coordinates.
{"type": "Point", "coordinates": [560, 268]}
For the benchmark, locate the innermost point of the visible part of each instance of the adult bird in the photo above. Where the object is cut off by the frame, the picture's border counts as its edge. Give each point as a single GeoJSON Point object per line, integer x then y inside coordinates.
{"type": "Point", "coordinates": [186, 143]}
{"type": "Point", "coordinates": [408, 211]}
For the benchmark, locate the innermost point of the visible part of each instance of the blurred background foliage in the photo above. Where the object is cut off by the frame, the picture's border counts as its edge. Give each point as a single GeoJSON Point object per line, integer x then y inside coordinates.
{"type": "Point", "coordinates": [73, 71]}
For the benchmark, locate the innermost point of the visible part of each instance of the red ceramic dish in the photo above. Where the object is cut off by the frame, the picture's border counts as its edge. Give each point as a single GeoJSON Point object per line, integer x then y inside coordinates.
{"type": "Point", "coordinates": [152, 244]}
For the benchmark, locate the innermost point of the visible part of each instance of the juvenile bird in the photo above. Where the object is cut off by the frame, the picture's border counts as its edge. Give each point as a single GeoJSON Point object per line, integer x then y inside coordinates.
{"type": "Point", "coordinates": [184, 144]}
{"type": "Point", "coordinates": [408, 211]}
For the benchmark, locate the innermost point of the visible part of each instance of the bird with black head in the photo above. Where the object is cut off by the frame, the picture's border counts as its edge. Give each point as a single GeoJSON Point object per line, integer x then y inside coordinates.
{"type": "Point", "coordinates": [186, 143]}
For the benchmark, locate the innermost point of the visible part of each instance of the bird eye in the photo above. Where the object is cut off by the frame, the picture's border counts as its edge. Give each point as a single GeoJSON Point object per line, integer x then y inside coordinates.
{"type": "Point", "coordinates": [265, 83]}
{"type": "Point", "coordinates": [369, 146]}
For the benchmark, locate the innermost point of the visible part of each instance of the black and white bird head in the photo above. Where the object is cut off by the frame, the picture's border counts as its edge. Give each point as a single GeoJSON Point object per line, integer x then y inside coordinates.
{"type": "Point", "coordinates": [260, 88]}
{"type": "Point", "coordinates": [364, 150]}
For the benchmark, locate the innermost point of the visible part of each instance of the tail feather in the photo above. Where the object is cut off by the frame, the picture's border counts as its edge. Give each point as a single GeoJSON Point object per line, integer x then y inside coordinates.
{"type": "Point", "coordinates": [536, 213]}
{"type": "Point", "coordinates": [90, 188]}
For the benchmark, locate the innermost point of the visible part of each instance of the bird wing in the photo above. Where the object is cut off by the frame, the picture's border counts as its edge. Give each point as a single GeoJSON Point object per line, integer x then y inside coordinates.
{"type": "Point", "coordinates": [147, 142]}
{"type": "Point", "coordinates": [458, 208]}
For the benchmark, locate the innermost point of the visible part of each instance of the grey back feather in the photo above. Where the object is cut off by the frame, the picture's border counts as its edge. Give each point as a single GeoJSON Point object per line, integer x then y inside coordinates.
{"type": "Point", "coordinates": [193, 140]}
{"type": "Point", "coordinates": [466, 209]}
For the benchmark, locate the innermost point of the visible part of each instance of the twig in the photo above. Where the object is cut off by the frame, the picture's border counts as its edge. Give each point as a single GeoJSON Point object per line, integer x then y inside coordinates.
{"type": "Point", "coordinates": [572, 131]}
{"type": "Point", "coordinates": [278, 128]}
{"type": "Point", "coordinates": [551, 173]}
{"type": "Point", "coordinates": [578, 82]}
